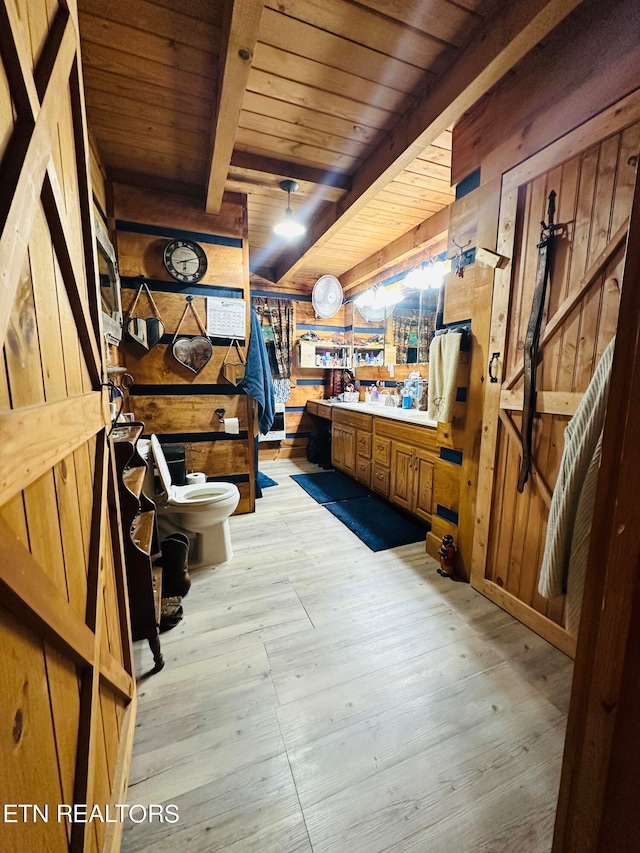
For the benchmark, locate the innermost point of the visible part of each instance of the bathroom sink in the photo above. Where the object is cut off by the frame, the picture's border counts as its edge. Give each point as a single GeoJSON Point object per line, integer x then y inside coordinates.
{"type": "Point", "coordinates": [414, 416]}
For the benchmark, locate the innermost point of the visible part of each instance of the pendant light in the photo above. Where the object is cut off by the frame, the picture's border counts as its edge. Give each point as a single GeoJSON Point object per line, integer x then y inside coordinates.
{"type": "Point", "coordinates": [288, 227]}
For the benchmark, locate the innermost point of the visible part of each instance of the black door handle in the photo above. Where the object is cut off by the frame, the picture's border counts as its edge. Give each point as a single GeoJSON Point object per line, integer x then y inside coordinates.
{"type": "Point", "coordinates": [494, 357]}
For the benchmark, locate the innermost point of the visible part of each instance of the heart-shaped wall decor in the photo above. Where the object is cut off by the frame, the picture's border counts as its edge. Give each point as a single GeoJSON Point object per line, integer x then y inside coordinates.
{"type": "Point", "coordinates": [145, 331]}
{"type": "Point", "coordinates": [193, 353]}
{"type": "Point", "coordinates": [233, 371]}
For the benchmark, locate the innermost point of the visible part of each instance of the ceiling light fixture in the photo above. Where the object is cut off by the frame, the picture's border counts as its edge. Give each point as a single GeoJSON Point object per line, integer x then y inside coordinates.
{"type": "Point", "coordinates": [288, 227]}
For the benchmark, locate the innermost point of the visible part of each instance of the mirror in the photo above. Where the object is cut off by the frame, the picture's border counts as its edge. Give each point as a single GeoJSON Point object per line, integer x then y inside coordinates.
{"type": "Point", "coordinates": [109, 279]}
{"type": "Point", "coordinates": [192, 353]}
{"type": "Point", "coordinates": [412, 326]}
{"type": "Point", "coordinates": [403, 337]}
{"type": "Point", "coordinates": [406, 327]}
{"type": "Point", "coordinates": [145, 331]}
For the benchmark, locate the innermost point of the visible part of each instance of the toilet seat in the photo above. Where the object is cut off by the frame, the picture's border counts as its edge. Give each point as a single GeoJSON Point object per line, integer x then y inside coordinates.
{"type": "Point", "coordinates": [210, 493]}
{"type": "Point", "coordinates": [200, 494]}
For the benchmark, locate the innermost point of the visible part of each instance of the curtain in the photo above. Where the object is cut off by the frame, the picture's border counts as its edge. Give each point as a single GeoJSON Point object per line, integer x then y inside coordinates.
{"type": "Point", "coordinates": [412, 331]}
{"type": "Point", "coordinates": [276, 321]}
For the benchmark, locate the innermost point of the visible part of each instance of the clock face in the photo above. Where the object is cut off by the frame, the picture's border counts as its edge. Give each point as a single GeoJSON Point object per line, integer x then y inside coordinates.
{"type": "Point", "coordinates": [185, 260]}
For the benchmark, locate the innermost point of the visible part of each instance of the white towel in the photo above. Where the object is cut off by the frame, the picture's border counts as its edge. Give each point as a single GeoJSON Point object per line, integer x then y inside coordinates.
{"type": "Point", "coordinates": [580, 543]}
{"type": "Point", "coordinates": [577, 475]}
{"type": "Point", "coordinates": [444, 358]}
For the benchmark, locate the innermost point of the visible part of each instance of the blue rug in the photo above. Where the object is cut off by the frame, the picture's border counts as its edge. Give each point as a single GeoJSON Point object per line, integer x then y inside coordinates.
{"type": "Point", "coordinates": [328, 486]}
{"type": "Point", "coordinates": [378, 525]}
{"type": "Point", "coordinates": [264, 482]}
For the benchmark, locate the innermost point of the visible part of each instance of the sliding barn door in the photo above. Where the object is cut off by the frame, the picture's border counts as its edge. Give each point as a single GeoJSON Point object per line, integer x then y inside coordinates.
{"type": "Point", "coordinates": [66, 685]}
{"type": "Point", "coordinates": [594, 180]}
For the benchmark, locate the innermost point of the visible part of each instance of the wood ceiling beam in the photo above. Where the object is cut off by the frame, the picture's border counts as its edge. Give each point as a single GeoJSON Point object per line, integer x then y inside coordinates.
{"type": "Point", "coordinates": [240, 37]}
{"type": "Point", "coordinates": [275, 170]}
{"type": "Point", "coordinates": [429, 231]}
{"type": "Point", "coordinates": [504, 39]}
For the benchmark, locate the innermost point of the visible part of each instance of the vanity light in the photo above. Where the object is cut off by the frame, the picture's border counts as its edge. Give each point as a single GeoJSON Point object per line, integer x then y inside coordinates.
{"type": "Point", "coordinates": [288, 227]}
{"type": "Point", "coordinates": [379, 296]}
{"type": "Point", "coordinates": [426, 276]}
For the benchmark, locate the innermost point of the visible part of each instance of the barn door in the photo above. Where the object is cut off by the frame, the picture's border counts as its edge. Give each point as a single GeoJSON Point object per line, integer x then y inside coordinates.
{"type": "Point", "coordinates": [594, 187]}
{"type": "Point", "coordinates": [66, 683]}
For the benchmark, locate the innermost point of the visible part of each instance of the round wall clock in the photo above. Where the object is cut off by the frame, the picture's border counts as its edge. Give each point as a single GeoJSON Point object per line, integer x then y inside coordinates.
{"type": "Point", "coordinates": [185, 260]}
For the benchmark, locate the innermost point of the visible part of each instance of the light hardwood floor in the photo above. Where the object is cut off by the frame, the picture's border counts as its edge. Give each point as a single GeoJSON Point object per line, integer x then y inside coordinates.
{"type": "Point", "coordinates": [320, 697]}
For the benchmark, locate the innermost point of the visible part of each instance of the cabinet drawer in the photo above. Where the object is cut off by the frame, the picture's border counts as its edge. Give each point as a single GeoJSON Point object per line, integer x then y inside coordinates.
{"type": "Point", "coordinates": [380, 480]}
{"type": "Point", "coordinates": [364, 444]}
{"type": "Point", "coordinates": [354, 419]}
{"type": "Point", "coordinates": [363, 471]}
{"type": "Point", "coordinates": [324, 411]}
{"type": "Point", "coordinates": [382, 451]}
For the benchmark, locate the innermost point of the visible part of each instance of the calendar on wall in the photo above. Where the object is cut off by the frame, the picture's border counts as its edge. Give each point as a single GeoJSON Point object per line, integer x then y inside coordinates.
{"type": "Point", "coordinates": [226, 318]}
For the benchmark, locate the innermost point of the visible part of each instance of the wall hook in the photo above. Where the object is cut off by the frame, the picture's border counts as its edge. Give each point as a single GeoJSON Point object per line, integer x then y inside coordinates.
{"type": "Point", "coordinates": [458, 257]}
{"type": "Point", "coordinates": [220, 414]}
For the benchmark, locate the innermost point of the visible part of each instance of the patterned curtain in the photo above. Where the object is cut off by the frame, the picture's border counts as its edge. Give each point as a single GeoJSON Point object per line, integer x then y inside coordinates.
{"type": "Point", "coordinates": [413, 329]}
{"type": "Point", "coordinates": [276, 320]}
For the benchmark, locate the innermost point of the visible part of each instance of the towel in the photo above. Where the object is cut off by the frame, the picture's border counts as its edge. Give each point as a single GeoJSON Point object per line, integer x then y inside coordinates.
{"type": "Point", "coordinates": [257, 381]}
{"type": "Point", "coordinates": [571, 510]}
{"type": "Point", "coordinates": [444, 358]}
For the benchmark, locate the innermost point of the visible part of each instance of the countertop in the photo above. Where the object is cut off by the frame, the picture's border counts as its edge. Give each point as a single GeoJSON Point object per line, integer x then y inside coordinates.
{"type": "Point", "coordinates": [412, 416]}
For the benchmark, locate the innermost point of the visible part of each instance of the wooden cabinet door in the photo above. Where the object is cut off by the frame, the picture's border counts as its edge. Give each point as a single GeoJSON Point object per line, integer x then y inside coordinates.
{"type": "Point", "coordinates": [349, 444]}
{"type": "Point", "coordinates": [337, 447]}
{"type": "Point", "coordinates": [422, 485]}
{"type": "Point", "coordinates": [594, 189]}
{"type": "Point", "coordinates": [401, 491]}
{"type": "Point", "coordinates": [343, 448]}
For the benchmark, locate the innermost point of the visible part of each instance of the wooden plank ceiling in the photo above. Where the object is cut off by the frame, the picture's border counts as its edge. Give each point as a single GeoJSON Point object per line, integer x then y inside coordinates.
{"type": "Point", "coordinates": [353, 100]}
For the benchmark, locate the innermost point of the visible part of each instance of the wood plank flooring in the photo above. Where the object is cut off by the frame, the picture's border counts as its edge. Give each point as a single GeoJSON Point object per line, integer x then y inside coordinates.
{"type": "Point", "coordinates": [320, 697]}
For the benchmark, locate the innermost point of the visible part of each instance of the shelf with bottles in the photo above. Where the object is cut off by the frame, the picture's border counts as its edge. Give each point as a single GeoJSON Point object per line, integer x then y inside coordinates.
{"type": "Point", "coordinates": [323, 354]}
{"type": "Point", "coordinates": [373, 355]}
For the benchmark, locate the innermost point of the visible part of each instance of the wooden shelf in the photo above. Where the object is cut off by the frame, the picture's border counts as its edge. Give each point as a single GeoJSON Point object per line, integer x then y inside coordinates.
{"type": "Point", "coordinates": [142, 530]}
{"type": "Point", "coordinates": [133, 478]}
{"type": "Point", "coordinates": [138, 520]}
{"type": "Point", "coordinates": [127, 432]}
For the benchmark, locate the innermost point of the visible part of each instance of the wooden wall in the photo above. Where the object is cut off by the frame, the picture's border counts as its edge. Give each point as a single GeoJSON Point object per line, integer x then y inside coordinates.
{"type": "Point", "coordinates": [173, 402]}
{"type": "Point", "coordinates": [67, 695]}
{"type": "Point", "coordinates": [525, 113]}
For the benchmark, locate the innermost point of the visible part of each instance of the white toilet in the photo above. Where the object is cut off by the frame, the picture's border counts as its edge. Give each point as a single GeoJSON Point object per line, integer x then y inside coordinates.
{"type": "Point", "coordinates": [200, 511]}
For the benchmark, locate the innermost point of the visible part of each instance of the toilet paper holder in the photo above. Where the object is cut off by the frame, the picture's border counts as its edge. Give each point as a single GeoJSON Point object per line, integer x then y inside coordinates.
{"type": "Point", "coordinates": [220, 414]}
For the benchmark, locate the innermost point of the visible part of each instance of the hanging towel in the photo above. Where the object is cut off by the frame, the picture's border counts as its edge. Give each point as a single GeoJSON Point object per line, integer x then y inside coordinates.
{"type": "Point", "coordinates": [580, 543]}
{"type": "Point", "coordinates": [282, 389]}
{"type": "Point", "coordinates": [257, 381]}
{"type": "Point", "coordinates": [573, 499]}
{"type": "Point", "coordinates": [444, 358]}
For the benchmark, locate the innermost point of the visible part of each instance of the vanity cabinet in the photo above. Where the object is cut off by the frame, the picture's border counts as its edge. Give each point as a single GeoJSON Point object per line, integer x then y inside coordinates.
{"type": "Point", "coordinates": [144, 579]}
{"type": "Point", "coordinates": [394, 458]}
